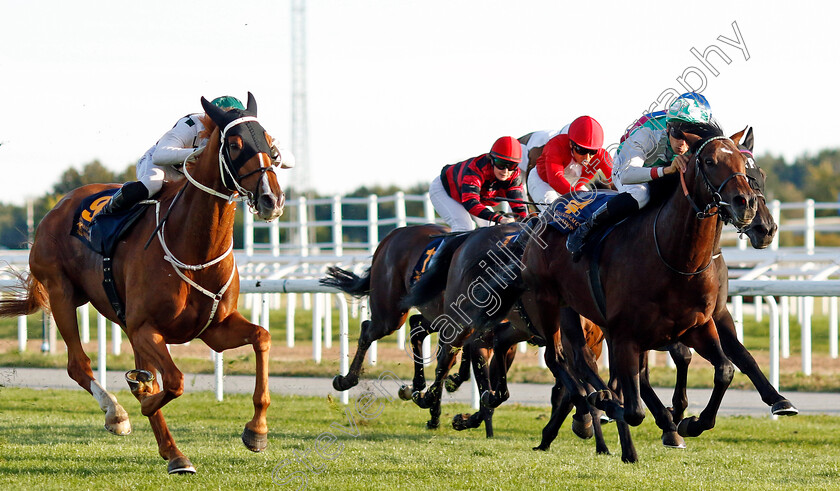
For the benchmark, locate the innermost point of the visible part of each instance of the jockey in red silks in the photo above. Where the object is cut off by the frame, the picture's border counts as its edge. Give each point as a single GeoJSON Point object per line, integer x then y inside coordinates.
{"type": "Point", "coordinates": [569, 161]}
{"type": "Point", "coordinates": [464, 193]}
{"type": "Point", "coordinates": [183, 143]}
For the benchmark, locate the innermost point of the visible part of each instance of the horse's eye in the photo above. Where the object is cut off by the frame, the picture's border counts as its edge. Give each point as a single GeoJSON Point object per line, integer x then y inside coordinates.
{"type": "Point", "coordinates": [235, 145]}
{"type": "Point", "coordinates": [709, 161]}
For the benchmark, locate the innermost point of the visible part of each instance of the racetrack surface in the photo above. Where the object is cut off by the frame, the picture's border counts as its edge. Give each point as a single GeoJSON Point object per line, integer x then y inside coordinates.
{"type": "Point", "coordinates": [735, 402]}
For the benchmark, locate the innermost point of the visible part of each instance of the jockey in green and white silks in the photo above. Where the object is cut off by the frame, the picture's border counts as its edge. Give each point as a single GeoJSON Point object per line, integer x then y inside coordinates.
{"type": "Point", "coordinates": [654, 148]}
{"type": "Point", "coordinates": [162, 162]}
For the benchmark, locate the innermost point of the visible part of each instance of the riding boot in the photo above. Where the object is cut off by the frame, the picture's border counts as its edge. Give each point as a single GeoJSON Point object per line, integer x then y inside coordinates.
{"type": "Point", "coordinates": [127, 196]}
{"type": "Point", "coordinates": [613, 211]}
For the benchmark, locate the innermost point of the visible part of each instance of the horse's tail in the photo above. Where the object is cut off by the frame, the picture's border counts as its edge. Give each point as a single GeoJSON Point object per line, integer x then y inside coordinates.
{"type": "Point", "coordinates": [433, 280]}
{"type": "Point", "coordinates": [25, 298]}
{"type": "Point", "coordinates": [347, 281]}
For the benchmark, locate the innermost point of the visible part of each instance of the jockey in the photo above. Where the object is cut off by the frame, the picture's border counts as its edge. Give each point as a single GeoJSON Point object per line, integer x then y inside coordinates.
{"type": "Point", "coordinates": [464, 192]}
{"type": "Point", "coordinates": [652, 150]}
{"type": "Point", "coordinates": [183, 143]}
{"type": "Point", "coordinates": [569, 161]}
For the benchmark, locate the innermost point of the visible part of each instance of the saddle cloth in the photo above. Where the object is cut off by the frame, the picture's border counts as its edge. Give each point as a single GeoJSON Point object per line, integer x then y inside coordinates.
{"type": "Point", "coordinates": [570, 211]}
{"type": "Point", "coordinates": [102, 232]}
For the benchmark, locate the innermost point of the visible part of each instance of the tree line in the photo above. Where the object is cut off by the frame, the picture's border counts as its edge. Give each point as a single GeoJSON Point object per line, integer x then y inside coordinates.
{"type": "Point", "coordinates": [809, 176]}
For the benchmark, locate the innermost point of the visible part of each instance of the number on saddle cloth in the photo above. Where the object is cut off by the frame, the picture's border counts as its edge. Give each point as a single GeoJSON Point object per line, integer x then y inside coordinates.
{"type": "Point", "coordinates": [102, 232]}
{"type": "Point", "coordinates": [572, 210]}
{"type": "Point", "coordinates": [426, 258]}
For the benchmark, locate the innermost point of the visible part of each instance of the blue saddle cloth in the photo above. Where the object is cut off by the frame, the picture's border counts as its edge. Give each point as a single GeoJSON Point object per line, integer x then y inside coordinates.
{"type": "Point", "coordinates": [102, 232]}
{"type": "Point", "coordinates": [571, 210]}
{"type": "Point", "coordinates": [425, 259]}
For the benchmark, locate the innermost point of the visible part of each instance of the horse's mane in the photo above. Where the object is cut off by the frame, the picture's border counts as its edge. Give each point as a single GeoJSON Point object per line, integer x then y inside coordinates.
{"type": "Point", "coordinates": [209, 126]}
{"type": "Point", "coordinates": [662, 189]}
{"type": "Point", "coordinates": [703, 130]}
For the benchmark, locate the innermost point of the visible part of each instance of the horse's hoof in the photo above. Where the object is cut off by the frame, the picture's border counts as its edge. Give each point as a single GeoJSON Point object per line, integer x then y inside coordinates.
{"type": "Point", "coordinates": [672, 440]}
{"type": "Point", "coordinates": [121, 428]}
{"type": "Point", "coordinates": [432, 424]}
{"type": "Point", "coordinates": [255, 442]}
{"type": "Point", "coordinates": [605, 419]}
{"type": "Point", "coordinates": [116, 421]}
{"type": "Point", "coordinates": [180, 465]}
{"type": "Point", "coordinates": [405, 393]}
{"type": "Point", "coordinates": [582, 427]}
{"type": "Point", "coordinates": [452, 383]}
{"type": "Point", "coordinates": [784, 408]}
{"type": "Point", "coordinates": [541, 448]}
{"type": "Point", "coordinates": [460, 422]}
{"type": "Point", "coordinates": [683, 429]}
{"type": "Point", "coordinates": [138, 380]}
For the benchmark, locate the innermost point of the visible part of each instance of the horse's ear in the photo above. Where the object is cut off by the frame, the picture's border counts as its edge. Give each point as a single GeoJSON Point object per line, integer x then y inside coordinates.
{"type": "Point", "coordinates": [252, 105]}
{"type": "Point", "coordinates": [737, 136]}
{"type": "Point", "coordinates": [749, 139]}
{"type": "Point", "coordinates": [691, 139]}
{"type": "Point", "coordinates": [216, 114]}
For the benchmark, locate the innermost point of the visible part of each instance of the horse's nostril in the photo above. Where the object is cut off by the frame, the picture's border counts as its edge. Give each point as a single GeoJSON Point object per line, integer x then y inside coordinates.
{"type": "Point", "coordinates": [267, 201]}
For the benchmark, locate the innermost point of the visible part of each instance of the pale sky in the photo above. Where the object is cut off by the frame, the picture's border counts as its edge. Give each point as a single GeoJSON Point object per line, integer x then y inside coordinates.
{"type": "Point", "coordinates": [398, 89]}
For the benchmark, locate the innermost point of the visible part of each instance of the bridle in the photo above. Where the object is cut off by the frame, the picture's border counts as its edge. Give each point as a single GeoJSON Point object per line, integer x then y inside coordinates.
{"type": "Point", "coordinates": [721, 207]}
{"type": "Point", "coordinates": [229, 172]}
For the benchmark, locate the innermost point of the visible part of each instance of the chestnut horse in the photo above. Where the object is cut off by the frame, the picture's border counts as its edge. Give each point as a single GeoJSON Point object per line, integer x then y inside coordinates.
{"type": "Point", "coordinates": [184, 286]}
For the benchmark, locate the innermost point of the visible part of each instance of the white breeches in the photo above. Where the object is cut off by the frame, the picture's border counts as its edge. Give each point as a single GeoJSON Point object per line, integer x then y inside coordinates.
{"type": "Point", "coordinates": [453, 212]}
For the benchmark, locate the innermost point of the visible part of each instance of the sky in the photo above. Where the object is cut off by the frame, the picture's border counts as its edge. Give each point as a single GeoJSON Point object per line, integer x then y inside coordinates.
{"type": "Point", "coordinates": [397, 89]}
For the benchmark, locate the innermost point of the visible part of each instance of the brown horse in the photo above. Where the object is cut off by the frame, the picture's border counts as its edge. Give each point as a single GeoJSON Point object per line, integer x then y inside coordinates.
{"type": "Point", "coordinates": [681, 285]}
{"type": "Point", "coordinates": [183, 286]}
{"type": "Point", "coordinates": [679, 295]}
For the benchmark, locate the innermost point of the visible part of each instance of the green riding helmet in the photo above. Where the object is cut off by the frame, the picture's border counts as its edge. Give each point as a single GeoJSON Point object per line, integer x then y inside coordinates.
{"type": "Point", "coordinates": [689, 110]}
{"type": "Point", "coordinates": [228, 102]}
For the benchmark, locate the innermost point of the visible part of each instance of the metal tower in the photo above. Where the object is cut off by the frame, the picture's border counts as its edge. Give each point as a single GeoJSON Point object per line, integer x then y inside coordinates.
{"type": "Point", "coordinates": [301, 181]}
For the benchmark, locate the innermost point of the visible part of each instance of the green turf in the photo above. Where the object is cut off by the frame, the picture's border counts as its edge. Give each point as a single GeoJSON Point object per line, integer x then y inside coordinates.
{"type": "Point", "coordinates": [55, 440]}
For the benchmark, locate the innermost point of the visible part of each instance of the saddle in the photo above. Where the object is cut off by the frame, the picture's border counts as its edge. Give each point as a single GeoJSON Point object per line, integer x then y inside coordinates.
{"type": "Point", "coordinates": [101, 234]}
{"type": "Point", "coordinates": [571, 210]}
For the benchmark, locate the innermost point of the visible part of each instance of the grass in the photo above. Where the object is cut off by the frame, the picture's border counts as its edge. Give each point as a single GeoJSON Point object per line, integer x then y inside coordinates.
{"type": "Point", "coordinates": [299, 363]}
{"type": "Point", "coordinates": [55, 440]}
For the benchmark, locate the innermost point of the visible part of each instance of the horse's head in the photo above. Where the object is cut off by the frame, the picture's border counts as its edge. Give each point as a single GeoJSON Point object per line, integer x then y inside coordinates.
{"type": "Point", "coordinates": [763, 228]}
{"type": "Point", "coordinates": [245, 158]}
{"type": "Point", "coordinates": [721, 167]}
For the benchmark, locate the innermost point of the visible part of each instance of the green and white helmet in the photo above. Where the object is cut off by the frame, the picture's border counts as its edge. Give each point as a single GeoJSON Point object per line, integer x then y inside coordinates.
{"type": "Point", "coordinates": [228, 102]}
{"type": "Point", "coordinates": [690, 108]}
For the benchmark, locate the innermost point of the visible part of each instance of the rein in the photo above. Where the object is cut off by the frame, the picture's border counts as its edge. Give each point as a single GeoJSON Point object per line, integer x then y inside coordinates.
{"type": "Point", "coordinates": [717, 203]}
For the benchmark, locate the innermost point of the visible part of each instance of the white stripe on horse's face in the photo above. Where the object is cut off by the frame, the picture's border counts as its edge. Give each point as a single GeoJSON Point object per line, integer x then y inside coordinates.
{"type": "Point", "coordinates": [726, 150]}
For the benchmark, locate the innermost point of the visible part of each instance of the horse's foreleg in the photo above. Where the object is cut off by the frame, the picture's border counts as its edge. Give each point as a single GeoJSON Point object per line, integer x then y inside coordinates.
{"type": "Point", "coordinates": [178, 462]}
{"type": "Point", "coordinates": [746, 363]}
{"type": "Point", "coordinates": [150, 346]}
{"type": "Point", "coordinates": [505, 339]}
{"type": "Point", "coordinates": [705, 342]}
{"type": "Point", "coordinates": [236, 331]}
{"type": "Point", "coordinates": [445, 360]}
{"type": "Point", "coordinates": [664, 418]}
{"type": "Point", "coordinates": [420, 328]}
{"type": "Point", "coordinates": [561, 406]}
{"type": "Point", "coordinates": [682, 357]}
{"type": "Point", "coordinates": [78, 363]}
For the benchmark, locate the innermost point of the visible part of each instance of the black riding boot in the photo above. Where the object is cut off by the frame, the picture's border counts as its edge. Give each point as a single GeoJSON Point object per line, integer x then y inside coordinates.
{"type": "Point", "coordinates": [127, 196]}
{"type": "Point", "coordinates": [614, 211]}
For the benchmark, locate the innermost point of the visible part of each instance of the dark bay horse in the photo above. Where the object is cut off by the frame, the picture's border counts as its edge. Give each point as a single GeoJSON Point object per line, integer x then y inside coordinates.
{"type": "Point", "coordinates": [184, 286]}
{"type": "Point", "coordinates": [676, 302]}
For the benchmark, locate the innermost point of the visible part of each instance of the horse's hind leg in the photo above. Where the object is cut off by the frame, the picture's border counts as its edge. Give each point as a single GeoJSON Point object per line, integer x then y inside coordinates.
{"type": "Point", "coordinates": [78, 363]}
{"type": "Point", "coordinates": [419, 329]}
{"type": "Point", "coordinates": [374, 329]}
{"type": "Point", "coordinates": [235, 331]}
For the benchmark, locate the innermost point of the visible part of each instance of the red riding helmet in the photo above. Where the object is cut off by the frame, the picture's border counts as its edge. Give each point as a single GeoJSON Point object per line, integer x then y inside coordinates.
{"type": "Point", "coordinates": [507, 148]}
{"type": "Point", "coordinates": [586, 132]}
